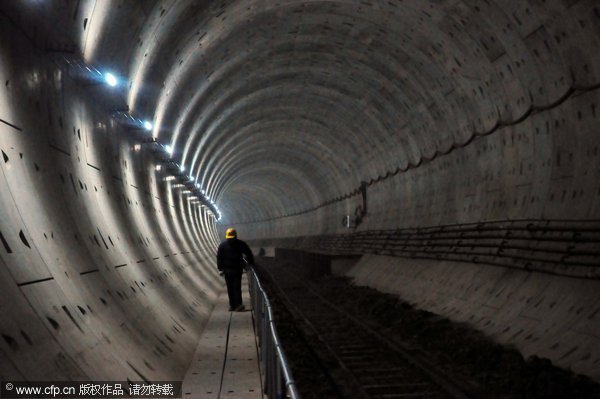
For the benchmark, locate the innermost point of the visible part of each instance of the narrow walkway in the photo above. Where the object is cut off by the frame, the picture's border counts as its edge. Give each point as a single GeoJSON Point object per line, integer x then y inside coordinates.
{"type": "Point", "coordinates": [226, 363]}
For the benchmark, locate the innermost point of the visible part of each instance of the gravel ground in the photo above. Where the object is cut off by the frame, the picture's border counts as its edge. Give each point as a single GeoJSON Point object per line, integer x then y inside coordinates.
{"type": "Point", "coordinates": [488, 369]}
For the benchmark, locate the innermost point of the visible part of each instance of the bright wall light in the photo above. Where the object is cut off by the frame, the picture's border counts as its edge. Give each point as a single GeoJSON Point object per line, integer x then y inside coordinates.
{"type": "Point", "coordinates": [147, 125]}
{"type": "Point", "coordinates": [110, 79]}
{"type": "Point", "coordinates": [182, 168]}
{"type": "Point", "coordinates": [169, 149]}
{"type": "Point", "coordinates": [158, 167]}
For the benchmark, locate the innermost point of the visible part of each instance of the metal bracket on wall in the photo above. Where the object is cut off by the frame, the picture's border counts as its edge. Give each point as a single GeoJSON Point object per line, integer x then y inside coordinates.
{"type": "Point", "coordinates": [361, 211]}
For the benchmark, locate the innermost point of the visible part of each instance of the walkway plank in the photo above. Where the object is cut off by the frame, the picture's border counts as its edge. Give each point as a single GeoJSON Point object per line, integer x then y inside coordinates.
{"type": "Point", "coordinates": [225, 364]}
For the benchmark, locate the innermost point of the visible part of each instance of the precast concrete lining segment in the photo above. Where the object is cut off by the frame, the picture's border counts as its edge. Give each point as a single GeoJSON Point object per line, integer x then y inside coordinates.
{"type": "Point", "coordinates": [307, 156]}
{"type": "Point", "coordinates": [302, 149]}
{"type": "Point", "coordinates": [111, 32]}
{"type": "Point", "coordinates": [71, 196]}
{"type": "Point", "coordinates": [294, 179]}
{"type": "Point", "coordinates": [289, 54]}
{"type": "Point", "coordinates": [315, 124]}
{"type": "Point", "coordinates": [306, 127]}
{"type": "Point", "coordinates": [343, 106]}
{"type": "Point", "coordinates": [425, 159]}
{"type": "Point", "coordinates": [239, 201]}
{"type": "Point", "coordinates": [551, 317]}
{"type": "Point", "coordinates": [243, 106]}
{"type": "Point", "coordinates": [362, 91]}
{"type": "Point", "coordinates": [305, 166]}
{"type": "Point", "coordinates": [248, 73]}
{"type": "Point", "coordinates": [303, 163]}
{"type": "Point", "coordinates": [528, 188]}
{"type": "Point", "coordinates": [270, 185]}
{"type": "Point", "coordinates": [163, 27]}
{"type": "Point", "coordinates": [346, 138]}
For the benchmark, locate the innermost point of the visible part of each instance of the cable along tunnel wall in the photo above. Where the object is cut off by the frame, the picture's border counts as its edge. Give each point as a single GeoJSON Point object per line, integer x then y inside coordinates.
{"type": "Point", "coordinates": [533, 183]}
{"type": "Point", "coordinates": [510, 246]}
{"type": "Point", "coordinates": [455, 112]}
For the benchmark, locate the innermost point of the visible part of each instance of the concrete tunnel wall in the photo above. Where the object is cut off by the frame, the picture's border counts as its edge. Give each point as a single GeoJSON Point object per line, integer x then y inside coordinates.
{"type": "Point", "coordinates": [290, 115]}
{"type": "Point", "coordinates": [105, 269]}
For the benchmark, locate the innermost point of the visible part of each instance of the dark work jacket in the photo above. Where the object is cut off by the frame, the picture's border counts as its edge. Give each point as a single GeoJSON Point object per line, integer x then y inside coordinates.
{"type": "Point", "coordinates": [229, 255]}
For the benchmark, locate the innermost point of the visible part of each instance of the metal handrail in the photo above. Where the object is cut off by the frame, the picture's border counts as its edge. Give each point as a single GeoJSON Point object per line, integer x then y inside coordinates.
{"type": "Point", "coordinates": [276, 369]}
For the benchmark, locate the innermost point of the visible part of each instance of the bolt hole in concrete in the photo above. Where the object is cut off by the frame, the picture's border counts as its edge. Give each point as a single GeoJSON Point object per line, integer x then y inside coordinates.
{"type": "Point", "coordinates": [6, 246]}
{"type": "Point", "coordinates": [66, 310]}
{"type": "Point", "coordinates": [26, 337]}
{"type": "Point", "coordinates": [53, 323]}
{"type": "Point", "coordinates": [23, 239]}
{"type": "Point", "coordinates": [377, 91]}
{"type": "Point", "coordinates": [12, 343]}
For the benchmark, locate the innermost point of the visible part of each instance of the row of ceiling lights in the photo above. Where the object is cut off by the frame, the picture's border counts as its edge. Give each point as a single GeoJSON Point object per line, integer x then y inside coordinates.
{"type": "Point", "coordinates": [194, 193]}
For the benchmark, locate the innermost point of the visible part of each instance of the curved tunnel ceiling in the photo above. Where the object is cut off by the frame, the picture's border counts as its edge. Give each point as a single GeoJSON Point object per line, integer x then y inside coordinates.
{"type": "Point", "coordinates": [447, 141]}
{"type": "Point", "coordinates": [388, 82]}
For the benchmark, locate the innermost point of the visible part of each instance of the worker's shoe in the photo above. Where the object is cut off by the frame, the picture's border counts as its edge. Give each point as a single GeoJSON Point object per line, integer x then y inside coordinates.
{"type": "Point", "coordinates": [240, 308]}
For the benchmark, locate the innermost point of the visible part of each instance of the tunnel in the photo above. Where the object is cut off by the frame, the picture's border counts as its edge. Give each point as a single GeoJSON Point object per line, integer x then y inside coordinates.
{"type": "Point", "coordinates": [450, 146]}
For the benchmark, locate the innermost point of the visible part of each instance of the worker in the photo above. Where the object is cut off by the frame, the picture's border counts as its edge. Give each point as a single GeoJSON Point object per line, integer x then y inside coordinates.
{"type": "Point", "coordinates": [230, 262]}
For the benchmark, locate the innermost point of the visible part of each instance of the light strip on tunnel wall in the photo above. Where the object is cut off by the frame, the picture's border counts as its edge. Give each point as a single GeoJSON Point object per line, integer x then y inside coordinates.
{"type": "Point", "coordinates": [80, 71]}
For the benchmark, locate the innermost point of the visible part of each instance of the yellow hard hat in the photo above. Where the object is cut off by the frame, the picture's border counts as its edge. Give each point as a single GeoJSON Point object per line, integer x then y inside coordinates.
{"type": "Point", "coordinates": [230, 233]}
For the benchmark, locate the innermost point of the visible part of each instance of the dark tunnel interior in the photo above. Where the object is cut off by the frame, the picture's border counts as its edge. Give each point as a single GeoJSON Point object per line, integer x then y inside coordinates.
{"type": "Point", "coordinates": [453, 144]}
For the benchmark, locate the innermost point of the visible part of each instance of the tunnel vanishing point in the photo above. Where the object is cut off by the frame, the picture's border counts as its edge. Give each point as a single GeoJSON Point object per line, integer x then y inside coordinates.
{"type": "Point", "coordinates": [453, 144]}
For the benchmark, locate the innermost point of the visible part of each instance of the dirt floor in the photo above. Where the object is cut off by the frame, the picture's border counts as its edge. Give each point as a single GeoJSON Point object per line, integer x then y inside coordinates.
{"type": "Point", "coordinates": [485, 368]}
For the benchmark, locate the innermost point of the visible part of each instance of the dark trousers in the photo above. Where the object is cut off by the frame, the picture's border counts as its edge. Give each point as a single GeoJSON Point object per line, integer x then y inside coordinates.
{"type": "Point", "coordinates": [233, 279]}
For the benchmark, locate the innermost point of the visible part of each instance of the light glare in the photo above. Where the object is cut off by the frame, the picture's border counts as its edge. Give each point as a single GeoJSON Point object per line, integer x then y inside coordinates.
{"type": "Point", "coordinates": [147, 125]}
{"type": "Point", "coordinates": [110, 79]}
